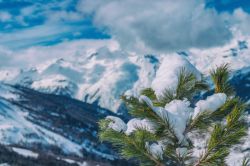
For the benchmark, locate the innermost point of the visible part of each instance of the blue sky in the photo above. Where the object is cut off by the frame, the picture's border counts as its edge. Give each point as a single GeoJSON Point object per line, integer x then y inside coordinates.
{"type": "Point", "coordinates": [229, 5]}
{"type": "Point", "coordinates": [27, 23]}
{"type": "Point", "coordinates": [33, 32]}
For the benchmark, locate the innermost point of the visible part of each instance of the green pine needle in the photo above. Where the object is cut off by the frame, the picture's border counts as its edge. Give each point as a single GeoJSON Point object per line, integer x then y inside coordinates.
{"type": "Point", "coordinates": [225, 126]}
{"type": "Point", "coordinates": [188, 86]}
{"type": "Point", "coordinates": [220, 77]}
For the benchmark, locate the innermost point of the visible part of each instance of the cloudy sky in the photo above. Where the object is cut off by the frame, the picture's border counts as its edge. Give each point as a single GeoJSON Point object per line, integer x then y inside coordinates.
{"type": "Point", "coordinates": [28, 27]}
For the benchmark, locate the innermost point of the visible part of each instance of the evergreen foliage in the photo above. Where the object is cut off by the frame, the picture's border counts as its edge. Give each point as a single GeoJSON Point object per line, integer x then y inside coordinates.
{"type": "Point", "coordinates": [225, 126]}
{"type": "Point", "coordinates": [220, 77]}
{"type": "Point", "coordinates": [246, 161]}
{"type": "Point", "coordinates": [188, 85]}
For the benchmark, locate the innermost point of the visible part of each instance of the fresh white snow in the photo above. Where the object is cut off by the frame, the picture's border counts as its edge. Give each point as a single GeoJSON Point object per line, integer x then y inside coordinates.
{"type": "Point", "coordinates": [14, 127]}
{"type": "Point", "coordinates": [232, 53]}
{"type": "Point", "coordinates": [145, 99]}
{"type": "Point", "coordinates": [58, 84]}
{"type": "Point", "coordinates": [160, 111]}
{"type": "Point", "coordinates": [156, 149]}
{"type": "Point", "coordinates": [181, 151]}
{"type": "Point", "coordinates": [4, 164]}
{"type": "Point", "coordinates": [137, 123]}
{"type": "Point", "coordinates": [70, 161]}
{"type": "Point", "coordinates": [168, 73]}
{"type": "Point", "coordinates": [178, 113]}
{"type": "Point", "coordinates": [25, 152]}
{"type": "Point", "coordinates": [212, 103]}
{"type": "Point", "coordinates": [116, 124]}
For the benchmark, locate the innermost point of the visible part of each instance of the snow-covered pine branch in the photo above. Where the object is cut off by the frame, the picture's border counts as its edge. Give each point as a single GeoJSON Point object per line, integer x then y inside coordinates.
{"type": "Point", "coordinates": [166, 120]}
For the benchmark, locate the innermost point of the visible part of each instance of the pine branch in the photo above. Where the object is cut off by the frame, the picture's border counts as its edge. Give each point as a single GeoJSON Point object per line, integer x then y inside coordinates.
{"type": "Point", "coordinates": [141, 110]}
{"type": "Point", "coordinates": [176, 158]}
{"type": "Point", "coordinates": [224, 137]}
{"type": "Point", "coordinates": [165, 130]}
{"type": "Point", "coordinates": [132, 146]}
{"type": "Point", "coordinates": [220, 78]}
{"type": "Point", "coordinates": [246, 161]}
{"type": "Point", "coordinates": [206, 119]}
{"type": "Point", "coordinates": [187, 87]}
{"type": "Point", "coordinates": [135, 147]}
{"type": "Point", "coordinates": [201, 122]}
{"type": "Point", "coordinates": [149, 92]}
{"type": "Point", "coordinates": [227, 108]}
{"type": "Point", "coordinates": [227, 124]}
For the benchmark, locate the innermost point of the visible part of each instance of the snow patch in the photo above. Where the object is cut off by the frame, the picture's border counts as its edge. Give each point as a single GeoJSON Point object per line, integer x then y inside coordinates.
{"type": "Point", "coordinates": [25, 152]}
{"type": "Point", "coordinates": [137, 123]}
{"type": "Point", "coordinates": [14, 129]}
{"type": "Point", "coordinates": [155, 149]}
{"type": "Point", "coordinates": [168, 73]}
{"type": "Point", "coordinates": [212, 103]}
{"type": "Point", "coordinates": [117, 124]}
{"type": "Point", "coordinates": [56, 84]}
{"type": "Point", "coordinates": [178, 114]}
{"type": "Point", "coordinates": [181, 151]}
{"type": "Point", "coordinates": [158, 110]}
{"type": "Point", "coordinates": [4, 164]}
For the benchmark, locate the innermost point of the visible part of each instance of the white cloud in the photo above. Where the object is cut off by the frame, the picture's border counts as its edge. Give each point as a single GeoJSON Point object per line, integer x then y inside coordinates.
{"type": "Point", "coordinates": [30, 57]}
{"type": "Point", "coordinates": [56, 16]}
{"type": "Point", "coordinates": [52, 12]}
{"type": "Point", "coordinates": [241, 21]}
{"type": "Point", "coordinates": [5, 16]}
{"type": "Point", "coordinates": [32, 36]}
{"type": "Point", "coordinates": [161, 25]}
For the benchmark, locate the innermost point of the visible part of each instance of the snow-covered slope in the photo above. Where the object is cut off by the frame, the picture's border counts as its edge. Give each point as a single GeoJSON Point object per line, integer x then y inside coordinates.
{"type": "Point", "coordinates": [236, 53]}
{"type": "Point", "coordinates": [52, 124]}
{"type": "Point", "coordinates": [15, 126]}
{"type": "Point", "coordinates": [100, 77]}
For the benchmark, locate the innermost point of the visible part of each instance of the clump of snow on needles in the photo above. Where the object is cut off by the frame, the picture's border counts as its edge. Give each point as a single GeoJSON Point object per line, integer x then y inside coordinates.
{"type": "Point", "coordinates": [158, 110]}
{"type": "Point", "coordinates": [116, 124]}
{"type": "Point", "coordinates": [145, 99]}
{"type": "Point", "coordinates": [134, 124]}
{"type": "Point", "coordinates": [156, 149]}
{"type": "Point", "coordinates": [168, 73]}
{"type": "Point", "coordinates": [177, 112]}
{"type": "Point", "coordinates": [137, 123]}
{"type": "Point", "coordinates": [181, 151]}
{"type": "Point", "coordinates": [212, 103]}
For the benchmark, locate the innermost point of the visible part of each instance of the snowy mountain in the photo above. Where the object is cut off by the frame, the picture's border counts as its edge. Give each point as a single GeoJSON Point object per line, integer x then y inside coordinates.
{"type": "Point", "coordinates": [53, 107]}
{"type": "Point", "coordinates": [102, 75]}
{"type": "Point", "coordinates": [92, 78]}
{"type": "Point", "coordinates": [52, 124]}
